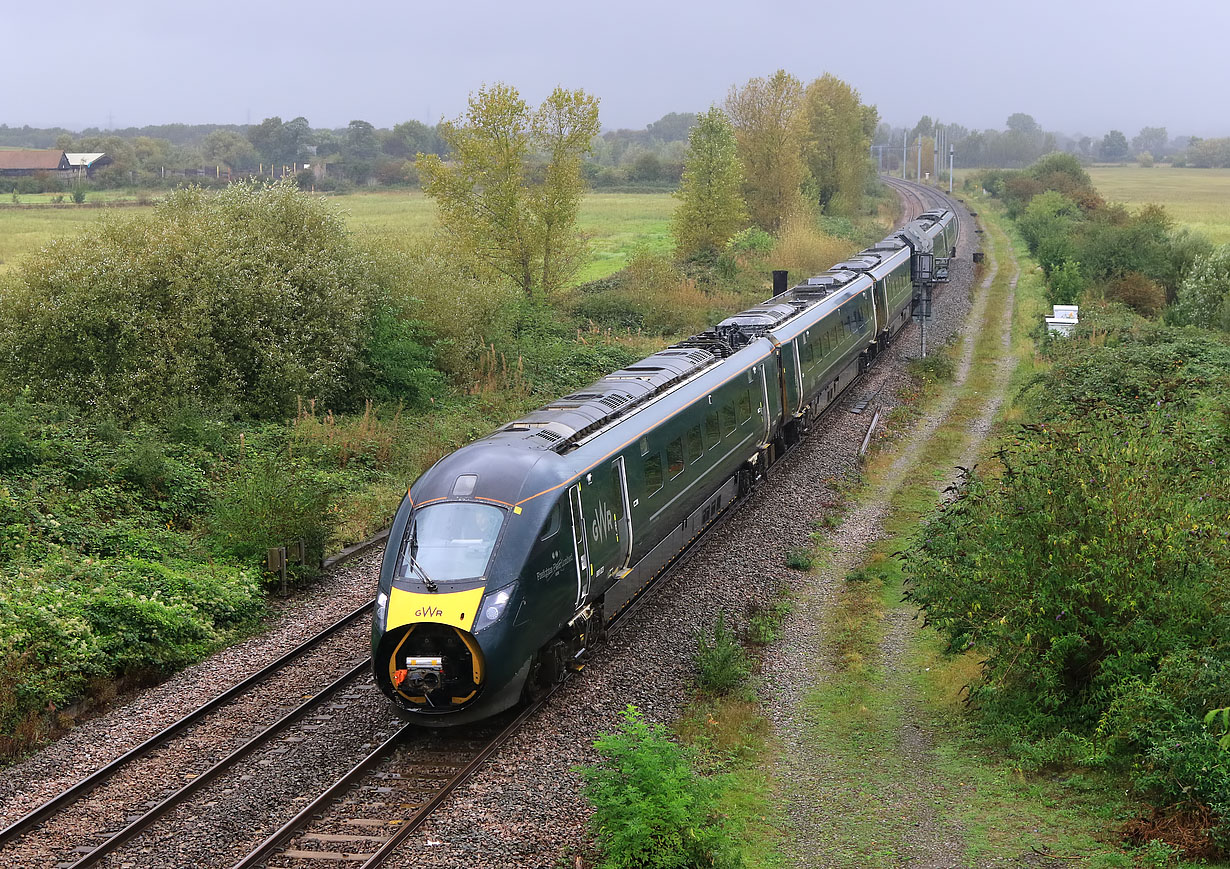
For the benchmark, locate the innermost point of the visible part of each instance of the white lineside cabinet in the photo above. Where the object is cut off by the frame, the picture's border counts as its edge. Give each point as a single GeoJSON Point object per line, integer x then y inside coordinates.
{"type": "Point", "coordinates": [1063, 320]}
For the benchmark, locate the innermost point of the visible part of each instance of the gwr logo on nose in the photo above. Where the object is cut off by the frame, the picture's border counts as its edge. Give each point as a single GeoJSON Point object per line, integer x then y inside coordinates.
{"type": "Point", "coordinates": [429, 612]}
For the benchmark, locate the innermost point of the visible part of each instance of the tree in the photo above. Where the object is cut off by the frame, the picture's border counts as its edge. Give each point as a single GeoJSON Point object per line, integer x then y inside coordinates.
{"type": "Point", "coordinates": [280, 143]}
{"type": "Point", "coordinates": [1024, 124]}
{"type": "Point", "coordinates": [1114, 146]}
{"type": "Point", "coordinates": [361, 142]}
{"type": "Point", "coordinates": [672, 127]}
{"type": "Point", "coordinates": [296, 137]}
{"type": "Point", "coordinates": [409, 138]}
{"type": "Point", "coordinates": [512, 189]}
{"type": "Point", "coordinates": [711, 207]}
{"type": "Point", "coordinates": [1151, 139]}
{"type": "Point", "coordinates": [768, 123]}
{"type": "Point", "coordinates": [228, 148]}
{"type": "Point", "coordinates": [1203, 297]}
{"type": "Point", "coordinates": [360, 149]}
{"type": "Point", "coordinates": [266, 138]}
{"type": "Point", "coordinates": [924, 127]}
{"type": "Point", "coordinates": [839, 130]}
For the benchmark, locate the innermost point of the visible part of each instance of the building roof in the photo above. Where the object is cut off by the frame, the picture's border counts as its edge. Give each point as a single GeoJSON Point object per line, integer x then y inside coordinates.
{"type": "Point", "coordinates": [31, 159]}
{"type": "Point", "coordinates": [82, 160]}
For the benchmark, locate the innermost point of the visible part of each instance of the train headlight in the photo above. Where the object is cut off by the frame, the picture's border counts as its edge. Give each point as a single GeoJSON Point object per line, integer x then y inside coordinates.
{"type": "Point", "coordinates": [493, 606]}
{"type": "Point", "coordinates": [382, 607]}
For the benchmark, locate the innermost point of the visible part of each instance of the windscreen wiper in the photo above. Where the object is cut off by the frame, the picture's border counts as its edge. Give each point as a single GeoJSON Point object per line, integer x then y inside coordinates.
{"type": "Point", "coordinates": [414, 564]}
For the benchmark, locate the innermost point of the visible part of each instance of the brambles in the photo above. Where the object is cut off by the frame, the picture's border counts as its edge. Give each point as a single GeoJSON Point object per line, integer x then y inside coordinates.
{"type": "Point", "coordinates": [651, 810]}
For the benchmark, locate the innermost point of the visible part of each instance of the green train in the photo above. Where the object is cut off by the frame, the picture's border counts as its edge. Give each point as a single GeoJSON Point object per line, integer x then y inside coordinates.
{"type": "Point", "coordinates": [507, 559]}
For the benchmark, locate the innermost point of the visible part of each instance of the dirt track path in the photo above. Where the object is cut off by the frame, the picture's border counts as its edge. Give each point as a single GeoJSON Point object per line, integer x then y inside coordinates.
{"type": "Point", "coordinates": [881, 801]}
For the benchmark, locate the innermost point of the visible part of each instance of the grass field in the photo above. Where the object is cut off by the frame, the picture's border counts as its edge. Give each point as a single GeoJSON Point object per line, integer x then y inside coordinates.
{"type": "Point", "coordinates": [617, 223]}
{"type": "Point", "coordinates": [1199, 198]}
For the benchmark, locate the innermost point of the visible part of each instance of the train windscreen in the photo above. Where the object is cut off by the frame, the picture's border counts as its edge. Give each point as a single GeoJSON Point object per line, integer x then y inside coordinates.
{"type": "Point", "coordinates": [449, 542]}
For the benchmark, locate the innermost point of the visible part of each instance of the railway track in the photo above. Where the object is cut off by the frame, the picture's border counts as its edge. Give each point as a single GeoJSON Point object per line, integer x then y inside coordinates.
{"type": "Point", "coordinates": [52, 812]}
{"type": "Point", "coordinates": [364, 816]}
{"type": "Point", "coordinates": [408, 772]}
{"type": "Point", "coordinates": [916, 198]}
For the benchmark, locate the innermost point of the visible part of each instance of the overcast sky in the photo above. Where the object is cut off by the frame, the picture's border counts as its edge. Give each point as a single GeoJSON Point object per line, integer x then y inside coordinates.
{"type": "Point", "coordinates": [1075, 65]}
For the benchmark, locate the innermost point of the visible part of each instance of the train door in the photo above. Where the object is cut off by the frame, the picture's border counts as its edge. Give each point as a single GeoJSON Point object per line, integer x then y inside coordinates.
{"type": "Point", "coordinates": [623, 522]}
{"type": "Point", "coordinates": [580, 546]}
{"type": "Point", "coordinates": [608, 523]}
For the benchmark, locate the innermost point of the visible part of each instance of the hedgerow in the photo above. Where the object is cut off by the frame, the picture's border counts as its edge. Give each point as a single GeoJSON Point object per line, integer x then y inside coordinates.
{"type": "Point", "coordinates": [1090, 568]}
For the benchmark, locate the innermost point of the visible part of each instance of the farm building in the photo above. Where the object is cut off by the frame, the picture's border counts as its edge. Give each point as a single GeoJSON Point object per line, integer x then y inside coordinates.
{"type": "Point", "coordinates": [83, 165]}
{"type": "Point", "coordinates": [32, 162]}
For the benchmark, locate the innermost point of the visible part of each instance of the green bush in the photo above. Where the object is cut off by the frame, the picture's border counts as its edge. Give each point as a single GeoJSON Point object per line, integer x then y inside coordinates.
{"type": "Point", "coordinates": [248, 298]}
{"type": "Point", "coordinates": [1156, 729]}
{"type": "Point", "coordinates": [651, 810]}
{"type": "Point", "coordinates": [1203, 298]}
{"type": "Point", "coordinates": [722, 667]}
{"type": "Point", "coordinates": [764, 623]}
{"type": "Point", "coordinates": [16, 449]}
{"type": "Point", "coordinates": [1048, 569]}
{"type": "Point", "coordinates": [800, 559]}
{"type": "Point", "coordinates": [400, 361]}
{"type": "Point", "coordinates": [68, 620]}
{"type": "Point", "coordinates": [271, 502]}
{"type": "Point", "coordinates": [1090, 571]}
{"type": "Point", "coordinates": [935, 368]}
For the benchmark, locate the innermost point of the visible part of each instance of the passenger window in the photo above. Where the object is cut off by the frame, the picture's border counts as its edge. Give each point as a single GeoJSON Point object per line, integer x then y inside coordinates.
{"type": "Point", "coordinates": [644, 446]}
{"type": "Point", "coordinates": [553, 522]}
{"type": "Point", "coordinates": [713, 433]}
{"type": "Point", "coordinates": [806, 353]}
{"type": "Point", "coordinates": [674, 457]}
{"type": "Point", "coordinates": [653, 473]}
{"type": "Point", "coordinates": [695, 446]}
{"type": "Point", "coordinates": [729, 421]}
{"type": "Point", "coordinates": [745, 405]}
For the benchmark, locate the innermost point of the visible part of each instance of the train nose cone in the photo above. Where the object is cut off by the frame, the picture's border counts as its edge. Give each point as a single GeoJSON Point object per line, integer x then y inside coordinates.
{"type": "Point", "coordinates": [434, 667]}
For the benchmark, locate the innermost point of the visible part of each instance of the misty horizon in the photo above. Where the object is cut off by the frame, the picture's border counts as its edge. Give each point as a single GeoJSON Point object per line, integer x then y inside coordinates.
{"type": "Point", "coordinates": [1078, 70]}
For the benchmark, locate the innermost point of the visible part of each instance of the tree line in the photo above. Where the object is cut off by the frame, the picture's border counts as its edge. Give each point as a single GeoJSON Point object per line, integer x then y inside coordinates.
{"type": "Point", "coordinates": [359, 153]}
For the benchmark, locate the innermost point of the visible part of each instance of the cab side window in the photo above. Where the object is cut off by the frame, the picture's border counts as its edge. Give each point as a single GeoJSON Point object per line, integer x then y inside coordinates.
{"type": "Point", "coordinates": [551, 528]}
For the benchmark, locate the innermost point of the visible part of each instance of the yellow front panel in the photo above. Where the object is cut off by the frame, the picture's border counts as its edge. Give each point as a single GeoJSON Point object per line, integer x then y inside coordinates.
{"type": "Point", "coordinates": [457, 609]}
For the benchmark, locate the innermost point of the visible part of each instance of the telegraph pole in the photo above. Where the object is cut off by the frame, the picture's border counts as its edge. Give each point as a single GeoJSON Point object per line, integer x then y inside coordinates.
{"type": "Point", "coordinates": [905, 144]}
{"type": "Point", "coordinates": [935, 152]}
